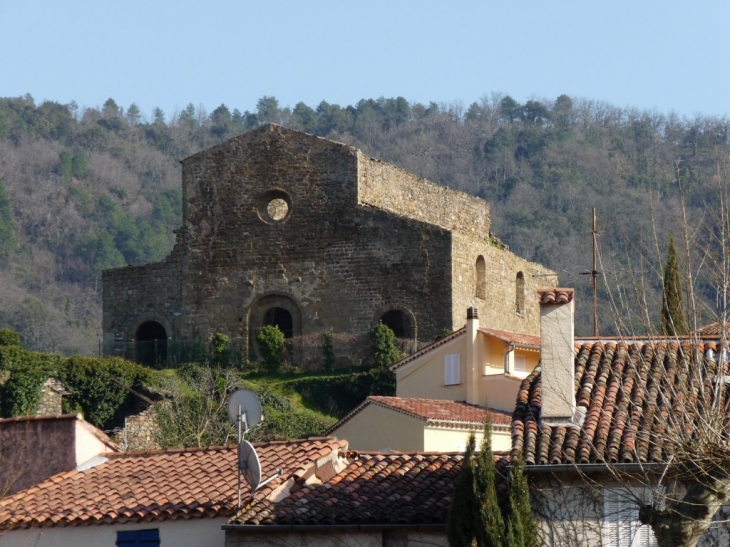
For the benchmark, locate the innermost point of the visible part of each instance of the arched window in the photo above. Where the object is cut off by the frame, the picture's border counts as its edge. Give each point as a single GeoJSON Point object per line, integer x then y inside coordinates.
{"type": "Point", "coordinates": [282, 318]}
{"type": "Point", "coordinates": [399, 322]}
{"type": "Point", "coordinates": [481, 278]}
{"type": "Point", "coordinates": [151, 345]}
{"type": "Point", "coordinates": [520, 292]}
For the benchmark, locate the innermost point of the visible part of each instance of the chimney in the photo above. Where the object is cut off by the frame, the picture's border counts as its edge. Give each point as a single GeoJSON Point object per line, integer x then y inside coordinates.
{"type": "Point", "coordinates": [473, 370]}
{"type": "Point", "coordinates": [556, 356]}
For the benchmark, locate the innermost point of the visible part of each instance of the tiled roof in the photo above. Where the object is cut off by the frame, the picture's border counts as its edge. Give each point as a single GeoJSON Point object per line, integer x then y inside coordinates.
{"type": "Point", "coordinates": [441, 410]}
{"type": "Point", "coordinates": [373, 489]}
{"type": "Point", "coordinates": [713, 330]}
{"type": "Point", "coordinates": [521, 339]}
{"type": "Point", "coordinates": [555, 296]}
{"type": "Point", "coordinates": [159, 485]}
{"type": "Point", "coordinates": [429, 348]}
{"type": "Point", "coordinates": [625, 389]}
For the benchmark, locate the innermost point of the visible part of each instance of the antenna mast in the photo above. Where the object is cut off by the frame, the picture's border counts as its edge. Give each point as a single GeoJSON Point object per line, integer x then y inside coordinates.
{"type": "Point", "coordinates": [594, 278]}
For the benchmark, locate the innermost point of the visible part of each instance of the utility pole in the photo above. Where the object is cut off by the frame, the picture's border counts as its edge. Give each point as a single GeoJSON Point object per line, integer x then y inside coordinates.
{"type": "Point", "coordinates": [594, 276]}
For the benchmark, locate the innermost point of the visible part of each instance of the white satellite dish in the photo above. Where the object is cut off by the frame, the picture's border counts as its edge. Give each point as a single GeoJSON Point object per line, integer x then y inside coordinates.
{"type": "Point", "coordinates": [249, 464]}
{"type": "Point", "coordinates": [245, 406]}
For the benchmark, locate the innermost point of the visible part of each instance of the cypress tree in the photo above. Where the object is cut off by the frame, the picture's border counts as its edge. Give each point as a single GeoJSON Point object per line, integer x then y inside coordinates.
{"type": "Point", "coordinates": [491, 529]}
{"type": "Point", "coordinates": [461, 521]}
{"type": "Point", "coordinates": [673, 319]}
{"type": "Point", "coordinates": [521, 527]}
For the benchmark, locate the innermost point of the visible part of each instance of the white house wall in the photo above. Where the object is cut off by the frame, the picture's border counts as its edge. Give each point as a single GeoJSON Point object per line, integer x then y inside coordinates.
{"type": "Point", "coordinates": [201, 532]}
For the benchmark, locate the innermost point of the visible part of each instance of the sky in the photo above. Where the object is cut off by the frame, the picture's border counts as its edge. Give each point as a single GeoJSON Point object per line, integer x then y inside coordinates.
{"type": "Point", "coordinates": [661, 56]}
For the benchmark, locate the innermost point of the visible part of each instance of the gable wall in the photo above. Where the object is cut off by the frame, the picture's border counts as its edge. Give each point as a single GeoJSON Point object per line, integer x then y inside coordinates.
{"type": "Point", "coordinates": [375, 428]}
{"type": "Point", "coordinates": [425, 378]}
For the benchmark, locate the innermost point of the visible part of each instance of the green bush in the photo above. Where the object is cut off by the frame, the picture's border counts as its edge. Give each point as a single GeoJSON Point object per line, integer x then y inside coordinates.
{"type": "Point", "coordinates": [284, 426]}
{"type": "Point", "coordinates": [97, 387]}
{"type": "Point", "coordinates": [335, 395]}
{"type": "Point", "coordinates": [8, 337]}
{"type": "Point", "coordinates": [219, 348]}
{"type": "Point", "coordinates": [26, 370]}
{"type": "Point", "coordinates": [328, 352]}
{"type": "Point", "coordinates": [385, 353]}
{"type": "Point", "coordinates": [272, 348]}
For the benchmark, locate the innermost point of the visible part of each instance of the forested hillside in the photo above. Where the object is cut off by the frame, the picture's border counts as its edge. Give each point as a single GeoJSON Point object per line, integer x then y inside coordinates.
{"type": "Point", "coordinates": [81, 191]}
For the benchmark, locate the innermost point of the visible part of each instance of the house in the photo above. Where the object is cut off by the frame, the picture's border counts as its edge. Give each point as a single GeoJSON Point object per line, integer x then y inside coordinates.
{"type": "Point", "coordinates": [375, 500]}
{"type": "Point", "coordinates": [420, 425]}
{"type": "Point", "coordinates": [593, 424]}
{"type": "Point", "coordinates": [289, 229]}
{"type": "Point", "coordinates": [33, 448]}
{"type": "Point", "coordinates": [167, 497]}
{"type": "Point", "coordinates": [445, 391]}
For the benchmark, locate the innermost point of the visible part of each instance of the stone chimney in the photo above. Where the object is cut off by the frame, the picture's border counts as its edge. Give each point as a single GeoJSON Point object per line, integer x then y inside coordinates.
{"type": "Point", "coordinates": [473, 363]}
{"type": "Point", "coordinates": [556, 356]}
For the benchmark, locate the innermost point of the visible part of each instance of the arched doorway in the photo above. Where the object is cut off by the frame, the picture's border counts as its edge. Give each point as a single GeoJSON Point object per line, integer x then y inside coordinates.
{"type": "Point", "coordinates": [151, 344]}
{"type": "Point", "coordinates": [280, 317]}
{"type": "Point", "coordinates": [399, 322]}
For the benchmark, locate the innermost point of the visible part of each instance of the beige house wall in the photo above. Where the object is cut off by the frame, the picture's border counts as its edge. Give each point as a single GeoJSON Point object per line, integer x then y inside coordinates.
{"type": "Point", "coordinates": [201, 532]}
{"type": "Point", "coordinates": [439, 439]}
{"type": "Point", "coordinates": [375, 428]}
{"type": "Point", "coordinates": [424, 377]}
{"type": "Point", "coordinates": [500, 392]}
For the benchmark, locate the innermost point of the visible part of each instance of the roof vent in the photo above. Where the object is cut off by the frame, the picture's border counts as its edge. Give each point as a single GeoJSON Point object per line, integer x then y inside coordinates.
{"type": "Point", "coordinates": [472, 313]}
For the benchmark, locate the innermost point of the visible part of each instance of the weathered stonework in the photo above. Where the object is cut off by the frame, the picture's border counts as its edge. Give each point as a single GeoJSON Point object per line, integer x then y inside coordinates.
{"type": "Point", "coordinates": [51, 401]}
{"type": "Point", "coordinates": [139, 432]}
{"type": "Point", "coordinates": [276, 218]}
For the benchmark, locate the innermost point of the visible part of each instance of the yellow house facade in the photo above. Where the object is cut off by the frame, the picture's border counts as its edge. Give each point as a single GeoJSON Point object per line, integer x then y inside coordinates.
{"type": "Point", "coordinates": [382, 424]}
{"type": "Point", "coordinates": [479, 365]}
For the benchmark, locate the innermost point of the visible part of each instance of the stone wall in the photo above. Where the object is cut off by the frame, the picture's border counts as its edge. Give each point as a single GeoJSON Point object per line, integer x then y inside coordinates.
{"type": "Point", "coordinates": [51, 401]}
{"type": "Point", "coordinates": [277, 218]}
{"type": "Point", "coordinates": [392, 189]}
{"type": "Point", "coordinates": [497, 301]}
{"type": "Point", "coordinates": [139, 432]}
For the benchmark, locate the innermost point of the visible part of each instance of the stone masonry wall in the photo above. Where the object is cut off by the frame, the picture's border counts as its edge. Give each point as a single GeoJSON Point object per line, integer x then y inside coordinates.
{"type": "Point", "coordinates": [340, 266]}
{"type": "Point", "coordinates": [497, 308]}
{"type": "Point", "coordinates": [392, 189]}
{"type": "Point", "coordinates": [139, 432]}
{"type": "Point", "coordinates": [51, 401]}
{"type": "Point", "coordinates": [279, 218]}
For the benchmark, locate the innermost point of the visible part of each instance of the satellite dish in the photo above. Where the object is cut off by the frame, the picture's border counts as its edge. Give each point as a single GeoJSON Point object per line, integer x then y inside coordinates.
{"type": "Point", "coordinates": [248, 404]}
{"type": "Point", "coordinates": [249, 464]}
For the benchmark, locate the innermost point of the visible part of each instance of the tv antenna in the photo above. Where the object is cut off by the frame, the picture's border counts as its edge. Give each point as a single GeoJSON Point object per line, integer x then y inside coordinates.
{"type": "Point", "coordinates": [244, 410]}
{"type": "Point", "coordinates": [594, 273]}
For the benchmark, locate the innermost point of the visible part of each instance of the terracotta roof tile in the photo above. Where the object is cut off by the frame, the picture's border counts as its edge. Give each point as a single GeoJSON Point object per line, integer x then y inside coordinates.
{"type": "Point", "coordinates": [372, 489]}
{"type": "Point", "coordinates": [521, 339]}
{"type": "Point", "coordinates": [144, 486]}
{"type": "Point", "coordinates": [555, 295]}
{"type": "Point", "coordinates": [442, 410]}
{"type": "Point", "coordinates": [622, 387]}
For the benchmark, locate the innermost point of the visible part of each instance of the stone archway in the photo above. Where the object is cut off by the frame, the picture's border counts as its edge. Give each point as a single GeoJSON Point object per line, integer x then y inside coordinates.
{"type": "Point", "coordinates": [151, 344]}
{"type": "Point", "coordinates": [275, 309]}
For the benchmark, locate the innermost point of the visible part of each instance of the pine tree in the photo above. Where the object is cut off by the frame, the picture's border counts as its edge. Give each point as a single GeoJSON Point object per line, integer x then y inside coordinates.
{"type": "Point", "coordinates": [673, 319]}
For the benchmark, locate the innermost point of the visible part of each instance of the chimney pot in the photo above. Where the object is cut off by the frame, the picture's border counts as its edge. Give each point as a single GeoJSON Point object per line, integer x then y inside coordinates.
{"type": "Point", "coordinates": [472, 313]}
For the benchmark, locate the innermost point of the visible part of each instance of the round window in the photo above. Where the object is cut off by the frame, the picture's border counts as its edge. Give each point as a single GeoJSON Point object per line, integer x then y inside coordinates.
{"type": "Point", "coordinates": [274, 206]}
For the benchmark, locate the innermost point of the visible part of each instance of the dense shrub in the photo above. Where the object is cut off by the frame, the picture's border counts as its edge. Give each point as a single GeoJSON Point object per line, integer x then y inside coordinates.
{"type": "Point", "coordinates": [272, 348]}
{"type": "Point", "coordinates": [9, 337]}
{"type": "Point", "coordinates": [25, 372]}
{"type": "Point", "coordinates": [97, 387]}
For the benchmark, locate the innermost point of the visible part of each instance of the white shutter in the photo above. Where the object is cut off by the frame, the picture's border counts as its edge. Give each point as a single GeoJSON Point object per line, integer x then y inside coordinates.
{"type": "Point", "coordinates": [621, 525]}
{"type": "Point", "coordinates": [520, 365]}
{"type": "Point", "coordinates": [452, 370]}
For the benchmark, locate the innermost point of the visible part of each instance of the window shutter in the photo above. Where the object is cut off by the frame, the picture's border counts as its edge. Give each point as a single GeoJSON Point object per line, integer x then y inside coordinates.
{"type": "Point", "coordinates": [451, 370]}
{"type": "Point", "coordinates": [520, 365]}
{"type": "Point", "coordinates": [621, 525]}
{"type": "Point", "coordinates": [139, 538]}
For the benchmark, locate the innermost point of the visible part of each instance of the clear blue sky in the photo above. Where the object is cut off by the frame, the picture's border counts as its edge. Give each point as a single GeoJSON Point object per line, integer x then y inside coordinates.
{"type": "Point", "coordinates": [655, 55]}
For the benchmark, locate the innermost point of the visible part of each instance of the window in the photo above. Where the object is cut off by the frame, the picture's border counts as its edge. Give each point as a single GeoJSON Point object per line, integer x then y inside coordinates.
{"type": "Point", "coordinates": [139, 538]}
{"type": "Point", "coordinates": [520, 292]}
{"type": "Point", "coordinates": [621, 526]}
{"type": "Point", "coordinates": [481, 278]}
{"type": "Point", "coordinates": [452, 370]}
{"type": "Point", "coordinates": [520, 365]}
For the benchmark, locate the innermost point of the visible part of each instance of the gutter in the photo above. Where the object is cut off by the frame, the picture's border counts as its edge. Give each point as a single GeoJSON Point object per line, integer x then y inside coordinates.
{"type": "Point", "coordinates": [325, 527]}
{"type": "Point", "coordinates": [591, 467]}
